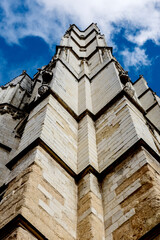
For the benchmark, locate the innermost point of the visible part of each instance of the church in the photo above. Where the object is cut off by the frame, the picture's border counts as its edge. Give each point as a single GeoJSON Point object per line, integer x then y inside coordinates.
{"type": "Point", "coordinates": [79, 148]}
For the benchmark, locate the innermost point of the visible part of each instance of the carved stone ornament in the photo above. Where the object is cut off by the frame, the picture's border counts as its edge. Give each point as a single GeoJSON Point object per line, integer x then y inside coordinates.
{"type": "Point", "coordinates": [47, 76]}
{"type": "Point", "coordinates": [53, 61]}
{"type": "Point", "coordinates": [66, 35]}
{"type": "Point", "coordinates": [129, 89]}
{"type": "Point", "coordinates": [15, 113]}
{"type": "Point", "coordinates": [124, 77]}
{"type": "Point", "coordinates": [43, 89]}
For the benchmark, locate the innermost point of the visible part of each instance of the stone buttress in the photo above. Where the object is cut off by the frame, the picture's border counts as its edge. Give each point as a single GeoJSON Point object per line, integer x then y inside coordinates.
{"type": "Point", "coordinates": [79, 148]}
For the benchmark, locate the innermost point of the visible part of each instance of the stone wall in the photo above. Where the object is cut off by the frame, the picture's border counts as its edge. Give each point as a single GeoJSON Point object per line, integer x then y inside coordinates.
{"type": "Point", "coordinates": [90, 209]}
{"type": "Point", "coordinates": [112, 140]}
{"type": "Point", "coordinates": [20, 234]}
{"type": "Point", "coordinates": [7, 132]}
{"type": "Point", "coordinates": [56, 127]}
{"type": "Point", "coordinates": [118, 129]}
{"type": "Point", "coordinates": [131, 197]}
{"type": "Point", "coordinates": [66, 86]}
{"type": "Point", "coordinates": [87, 149]}
{"type": "Point", "coordinates": [45, 195]}
{"type": "Point", "coordinates": [103, 90]}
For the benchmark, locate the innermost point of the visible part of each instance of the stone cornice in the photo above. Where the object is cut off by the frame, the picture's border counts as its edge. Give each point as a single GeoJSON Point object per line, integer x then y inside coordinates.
{"type": "Point", "coordinates": [92, 40]}
{"type": "Point", "coordinates": [16, 113]}
{"type": "Point", "coordinates": [141, 76]}
{"type": "Point", "coordinates": [86, 57]}
{"type": "Point", "coordinates": [20, 221]}
{"type": "Point", "coordinates": [89, 113]}
{"type": "Point", "coordinates": [39, 142]}
{"type": "Point", "coordinates": [147, 90]}
{"type": "Point", "coordinates": [8, 149]}
{"type": "Point", "coordinates": [100, 175]}
{"type": "Point", "coordinates": [101, 69]}
{"type": "Point", "coordinates": [151, 107]}
{"type": "Point", "coordinates": [83, 37]}
{"type": "Point", "coordinates": [77, 118]}
{"type": "Point", "coordinates": [83, 46]}
{"type": "Point", "coordinates": [86, 112]}
{"type": "Point", "coordinates": [84, 75]}
{"type": "Point", "coordinates": [82, 31]}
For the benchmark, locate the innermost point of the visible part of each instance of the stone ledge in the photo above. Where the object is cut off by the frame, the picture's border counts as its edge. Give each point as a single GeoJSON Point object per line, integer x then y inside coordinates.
{"type": "Point", "coordinates": [20, 221]}
{"type": "Point", "coordinates": [88, 112]}
{"type": "Point", "coordinates": [85, 75]}
{"type": "Point", "coordinates": [100, 175]}
{"type": "Point", "coordinates": [84, 37]}
{"type": "Point", "coordinates": [40, 142]}
{"type": "Point", "coordinates": [5, 147]}
{"type": "Point", "coordinates": [85, 46]}
{"type": "Point", "coordinates": [16, 113]}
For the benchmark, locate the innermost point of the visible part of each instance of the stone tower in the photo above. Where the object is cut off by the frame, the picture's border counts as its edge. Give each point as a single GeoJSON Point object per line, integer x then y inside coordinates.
{"type": "Point", "coordinates": [79, 148]}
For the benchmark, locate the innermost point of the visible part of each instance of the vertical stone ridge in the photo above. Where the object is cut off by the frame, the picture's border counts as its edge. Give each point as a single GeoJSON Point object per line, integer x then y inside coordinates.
{"type": "Point", "coordinates": [90, 210]}
{"type": "Point", "coordinates": [87, 150]}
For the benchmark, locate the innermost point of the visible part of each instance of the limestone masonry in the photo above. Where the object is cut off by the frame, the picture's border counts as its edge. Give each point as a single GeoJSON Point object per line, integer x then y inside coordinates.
{"type": "Point", "coordinates": [79, 148]}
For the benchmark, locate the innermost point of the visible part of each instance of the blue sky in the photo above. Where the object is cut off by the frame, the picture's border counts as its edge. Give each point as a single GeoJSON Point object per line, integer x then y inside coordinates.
{"type": "Point", "coordinates": [30, 29]}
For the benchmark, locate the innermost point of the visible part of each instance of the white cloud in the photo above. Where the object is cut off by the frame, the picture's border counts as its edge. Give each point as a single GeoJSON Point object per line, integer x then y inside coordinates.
{"type": "Point", "coordinates": [50, 18]}
{"type": "Point", "coordinates": [136, 58]}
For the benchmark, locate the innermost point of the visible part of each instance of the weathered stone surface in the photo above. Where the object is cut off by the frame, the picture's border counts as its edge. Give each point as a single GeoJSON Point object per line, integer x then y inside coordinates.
{"type": "Point", "coordinates": [48, 202]}
{"type": "Point", "coordinates": [90, 209]}
{"type": "Point", "coordinates": [131, 198]}
{"type": "Point", "coordinates": [20, 234]}
{"type": "Point", "coordinates": [149, 100]}
{"type": "Point", "coordinates": [112, 140]}
{"type": "Point", "coordinates": [90, 228]}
